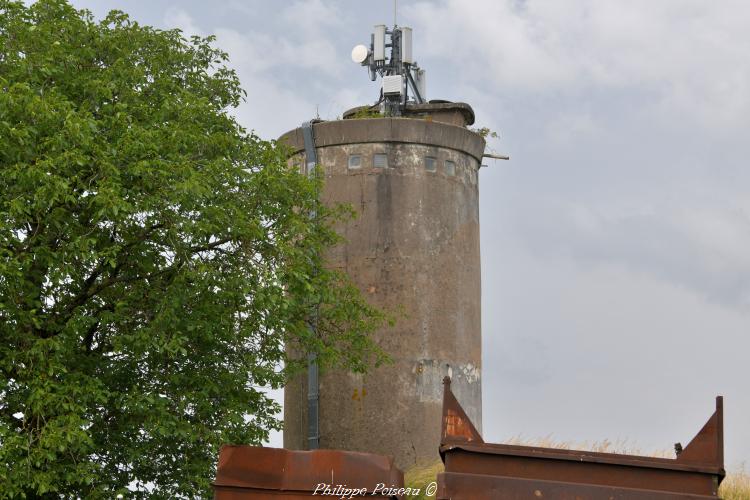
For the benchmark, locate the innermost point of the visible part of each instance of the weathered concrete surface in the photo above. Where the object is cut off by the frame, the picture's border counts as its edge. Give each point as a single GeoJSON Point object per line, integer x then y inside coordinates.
{"type": "Point", "coordinates": [414, 247]}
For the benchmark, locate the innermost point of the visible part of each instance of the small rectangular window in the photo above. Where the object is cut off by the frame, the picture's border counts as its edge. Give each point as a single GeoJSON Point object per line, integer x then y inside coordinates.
{"type": "Point", "coordinates": [380, 160]}
{"type": "Point", "coordinates": [430, 164]}
{"type": "Point", "coordinates": [450, 167]}
{"type": "Point", "coordinates": [355, 161]}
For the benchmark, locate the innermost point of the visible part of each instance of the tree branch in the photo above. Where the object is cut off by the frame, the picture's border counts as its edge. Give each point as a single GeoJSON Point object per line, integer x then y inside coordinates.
{"type": "Point", "coordinates": [88, 289]}
{"type": "Point", "coordinates": [210, 246]}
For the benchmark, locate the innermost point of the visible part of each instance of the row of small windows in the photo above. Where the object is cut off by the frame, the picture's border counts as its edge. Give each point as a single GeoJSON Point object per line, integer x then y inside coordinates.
{"type": "Point", "coordinates": [380, 160]}
{"type": "Point", "coordinates": [430, 164]}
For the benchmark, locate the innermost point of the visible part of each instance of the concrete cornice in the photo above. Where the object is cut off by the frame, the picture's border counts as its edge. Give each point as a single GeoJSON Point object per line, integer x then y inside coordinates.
{"type": "Point", "coordinates": [399, 130]}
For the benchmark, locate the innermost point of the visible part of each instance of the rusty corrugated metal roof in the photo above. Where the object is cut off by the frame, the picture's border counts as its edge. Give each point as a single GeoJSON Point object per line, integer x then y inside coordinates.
{"type": "Point", "coordinates": [477, 470]}
{"type": "Point", "coordinates": [260, 472]}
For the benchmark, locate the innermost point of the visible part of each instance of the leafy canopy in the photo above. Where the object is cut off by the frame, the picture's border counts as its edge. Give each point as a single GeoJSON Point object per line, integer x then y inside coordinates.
{"type": "Point", "coordinates": [155, 261]}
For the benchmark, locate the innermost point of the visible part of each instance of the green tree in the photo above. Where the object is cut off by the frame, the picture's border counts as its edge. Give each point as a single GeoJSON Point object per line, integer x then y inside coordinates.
{"type": "Point", "coordinates": [155, 261]}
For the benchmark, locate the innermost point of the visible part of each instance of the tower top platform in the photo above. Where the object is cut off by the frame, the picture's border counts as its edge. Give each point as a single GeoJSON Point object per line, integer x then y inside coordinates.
{"type": "Point", "coordinates": [452, 113]}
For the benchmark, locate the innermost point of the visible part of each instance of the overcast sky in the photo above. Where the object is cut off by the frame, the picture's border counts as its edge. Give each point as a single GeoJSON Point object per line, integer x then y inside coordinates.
{"type": "Point", "coordinates": [615, 243]}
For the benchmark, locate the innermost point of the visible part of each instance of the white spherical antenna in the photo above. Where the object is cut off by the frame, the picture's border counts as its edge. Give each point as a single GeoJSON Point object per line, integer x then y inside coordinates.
{"type": "Point", "coordinates": [359, 54]}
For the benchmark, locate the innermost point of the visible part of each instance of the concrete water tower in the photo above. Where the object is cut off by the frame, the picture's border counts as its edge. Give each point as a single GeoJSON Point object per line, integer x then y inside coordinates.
{"type": "Point", "coordinates": [411, 173]}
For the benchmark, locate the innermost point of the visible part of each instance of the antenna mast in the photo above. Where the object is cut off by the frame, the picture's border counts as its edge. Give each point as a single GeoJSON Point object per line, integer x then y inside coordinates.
{"type": "Point", "coordinates": [403, 79]}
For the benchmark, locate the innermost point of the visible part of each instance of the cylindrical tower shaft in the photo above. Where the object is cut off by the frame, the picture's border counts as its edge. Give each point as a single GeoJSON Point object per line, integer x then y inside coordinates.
{"type": "Point", "coordinates": [413, 249]}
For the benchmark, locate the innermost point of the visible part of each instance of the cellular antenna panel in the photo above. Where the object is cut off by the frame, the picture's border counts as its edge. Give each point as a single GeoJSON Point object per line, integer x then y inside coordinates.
{"type": "Point", "coordinates": [403, 79]}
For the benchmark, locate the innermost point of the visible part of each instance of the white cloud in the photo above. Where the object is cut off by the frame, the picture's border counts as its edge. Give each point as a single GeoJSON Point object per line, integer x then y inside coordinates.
{"type": "Point", "coordinates": [283, 70]}
{"type": "Point", "coordinates": [313, 18]}
{"type": "Point", "coordinates": [703, 248]}
{"type": "Point", "coordinates": [178, 18]}
{"type": "Point", "coordinates": [690, 56]}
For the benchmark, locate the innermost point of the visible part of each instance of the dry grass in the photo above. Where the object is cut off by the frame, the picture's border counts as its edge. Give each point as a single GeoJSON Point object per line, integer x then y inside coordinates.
{"type": "Point", "coordinates": [736, 486]}
{"type": "Point", "coordinates": [420, 477]}
{"type": "Point", "coordinates": [621, 446]}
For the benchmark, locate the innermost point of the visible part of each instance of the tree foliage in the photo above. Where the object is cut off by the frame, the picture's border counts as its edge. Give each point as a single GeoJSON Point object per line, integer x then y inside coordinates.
{"type": "Point", "coordinates": [155, 260]}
